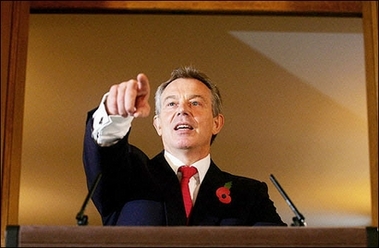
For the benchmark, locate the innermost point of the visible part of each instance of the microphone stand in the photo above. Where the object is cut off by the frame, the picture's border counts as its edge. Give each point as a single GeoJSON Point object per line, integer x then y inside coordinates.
{"type": "Point", "coordinates": [82, 219]}
{"type": "Point", "coordinates": [299, 219]}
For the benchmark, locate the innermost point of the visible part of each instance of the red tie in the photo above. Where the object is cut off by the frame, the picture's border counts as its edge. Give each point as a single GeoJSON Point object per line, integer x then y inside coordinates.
{"type": "Point", "coordinates": [187, 173]}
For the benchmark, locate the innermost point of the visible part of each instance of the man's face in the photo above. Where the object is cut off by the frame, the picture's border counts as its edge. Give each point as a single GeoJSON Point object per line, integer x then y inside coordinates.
{"type": "Point", "coordinates": [186, 120]}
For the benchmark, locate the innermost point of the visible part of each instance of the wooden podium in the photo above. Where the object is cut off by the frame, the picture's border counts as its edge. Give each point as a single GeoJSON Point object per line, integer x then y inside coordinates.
{"type": "Point", "coordinates": [104, 236]}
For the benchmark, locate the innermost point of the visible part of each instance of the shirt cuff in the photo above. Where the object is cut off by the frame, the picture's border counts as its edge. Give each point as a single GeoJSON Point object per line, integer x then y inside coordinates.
{"type": "Point", "coordinates": [108, 129]}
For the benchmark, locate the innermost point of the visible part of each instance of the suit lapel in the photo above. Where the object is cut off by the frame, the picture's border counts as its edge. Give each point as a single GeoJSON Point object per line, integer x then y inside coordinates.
{"type": "Point", "coordinates": [170, 187]}
{"type": "Point", "coordinates": [208, 206]}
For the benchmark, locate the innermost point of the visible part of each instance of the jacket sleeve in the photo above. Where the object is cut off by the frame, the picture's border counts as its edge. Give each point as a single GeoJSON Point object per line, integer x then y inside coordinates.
{"type": "Point", "coordinates": [122, 166]}
{"type": "Point", "coordinates": [265, 212]}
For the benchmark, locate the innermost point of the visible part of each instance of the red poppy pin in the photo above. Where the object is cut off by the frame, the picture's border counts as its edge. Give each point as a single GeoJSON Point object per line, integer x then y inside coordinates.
{"type": "Point", "coordinates": [223, 193]}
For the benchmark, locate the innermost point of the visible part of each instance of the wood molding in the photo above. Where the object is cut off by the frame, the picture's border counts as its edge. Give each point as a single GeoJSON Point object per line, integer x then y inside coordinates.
{"type": "Point", "coordinates": [14, 33]}
{"type": "Point", "coordinates": [370, 26]}
{"type": "Point", "coordinates": [337, 8]}
{"type": "Point", "coordinates": [205, 236]}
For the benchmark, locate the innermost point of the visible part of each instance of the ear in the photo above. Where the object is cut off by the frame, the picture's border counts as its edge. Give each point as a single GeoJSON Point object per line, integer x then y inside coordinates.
{"type": "Point", "coordinates": [157, 125]}
{"type": "Point", "coordinates": [218, 123]}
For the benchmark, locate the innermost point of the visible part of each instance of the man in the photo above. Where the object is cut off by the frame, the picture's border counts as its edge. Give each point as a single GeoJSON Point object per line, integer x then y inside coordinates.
{"type": "Point", "coordinates": [137, 190]}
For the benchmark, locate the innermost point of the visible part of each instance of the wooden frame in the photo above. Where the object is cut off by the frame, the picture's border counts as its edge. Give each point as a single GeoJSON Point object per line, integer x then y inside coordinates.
{"type": "Point", "coordinates": [14, 30]}
{"type": "Point", "coordinates": [68, 236]}
{"type": "Point", "coordinates": [335, 8]}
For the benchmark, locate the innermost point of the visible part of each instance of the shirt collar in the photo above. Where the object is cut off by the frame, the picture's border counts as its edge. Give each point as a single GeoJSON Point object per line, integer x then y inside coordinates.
{"type": "Point", "coordinates": [201, 165]}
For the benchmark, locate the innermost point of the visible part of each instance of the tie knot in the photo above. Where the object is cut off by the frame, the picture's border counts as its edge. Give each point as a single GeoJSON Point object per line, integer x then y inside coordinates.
{"type": "Point", "coordinates": [187, 171]}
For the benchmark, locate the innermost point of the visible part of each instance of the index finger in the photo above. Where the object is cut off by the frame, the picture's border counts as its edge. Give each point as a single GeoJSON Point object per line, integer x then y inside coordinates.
{"type": "Point", "coordinates": [143, 85]}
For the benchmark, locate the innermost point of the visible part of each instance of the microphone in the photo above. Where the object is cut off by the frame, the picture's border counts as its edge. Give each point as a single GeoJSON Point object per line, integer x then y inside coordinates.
{"type": "Point", "coordinates": [82, 219]}
{"type": "Point", "coordinates": [299, 219]}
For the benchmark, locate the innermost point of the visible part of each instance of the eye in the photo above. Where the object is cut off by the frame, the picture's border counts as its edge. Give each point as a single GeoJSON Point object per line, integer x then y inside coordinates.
{"type": "Point", "coordinates": [195, 103]}
{"type": "Point", "coordinates": [171, 104]}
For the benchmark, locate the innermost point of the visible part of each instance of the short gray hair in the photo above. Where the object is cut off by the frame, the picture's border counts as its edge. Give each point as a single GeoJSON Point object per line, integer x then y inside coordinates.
{"type": "Point", "coordinates": [190, 72]}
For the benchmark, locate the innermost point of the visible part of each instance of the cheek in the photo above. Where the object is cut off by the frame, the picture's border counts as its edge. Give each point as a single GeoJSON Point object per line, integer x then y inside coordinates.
{"type": "Point", "coordinates": [207, 125]}
{"type": "Point", "coordinates": [164, 127]}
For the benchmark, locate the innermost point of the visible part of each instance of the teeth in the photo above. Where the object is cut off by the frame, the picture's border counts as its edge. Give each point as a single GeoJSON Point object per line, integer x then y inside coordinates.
{"type": "Point", "coordinates": [183, 127]}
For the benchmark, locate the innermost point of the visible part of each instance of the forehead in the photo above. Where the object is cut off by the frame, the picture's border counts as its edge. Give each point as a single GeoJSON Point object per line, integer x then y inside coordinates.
{"type": "Point", "coordinates": [186, 86]}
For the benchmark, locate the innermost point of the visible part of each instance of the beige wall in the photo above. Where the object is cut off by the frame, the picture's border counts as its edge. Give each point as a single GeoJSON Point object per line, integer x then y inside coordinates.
{"type": "Point", "coordinates": [277, 121]}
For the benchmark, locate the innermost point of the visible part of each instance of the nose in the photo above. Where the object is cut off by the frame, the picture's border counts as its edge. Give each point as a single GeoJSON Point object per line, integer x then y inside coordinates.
{"type": "Point", "coordinates": [183, 109]}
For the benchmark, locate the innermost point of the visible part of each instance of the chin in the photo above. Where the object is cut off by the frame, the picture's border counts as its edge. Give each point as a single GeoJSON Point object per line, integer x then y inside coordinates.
{"type": "Point", "coordinates": [183, 145]}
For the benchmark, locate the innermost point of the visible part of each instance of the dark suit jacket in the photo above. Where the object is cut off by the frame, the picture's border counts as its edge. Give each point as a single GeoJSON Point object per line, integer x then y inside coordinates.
{"type": "Point", "coordinates": [136, 190]}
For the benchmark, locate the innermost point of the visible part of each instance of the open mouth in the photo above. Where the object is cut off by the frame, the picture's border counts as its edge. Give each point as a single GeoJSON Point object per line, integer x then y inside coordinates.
{"type": "Point", "coordinates": [183, 127]}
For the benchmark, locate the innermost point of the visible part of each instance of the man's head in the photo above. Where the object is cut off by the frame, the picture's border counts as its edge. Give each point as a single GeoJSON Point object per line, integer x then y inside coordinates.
{"type": "Point", "coordinates": [188, 110]}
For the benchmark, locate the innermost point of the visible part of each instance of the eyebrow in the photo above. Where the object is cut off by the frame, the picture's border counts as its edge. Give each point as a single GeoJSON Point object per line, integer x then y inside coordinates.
{"type": "Point", "coordinates": [191, 97]}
